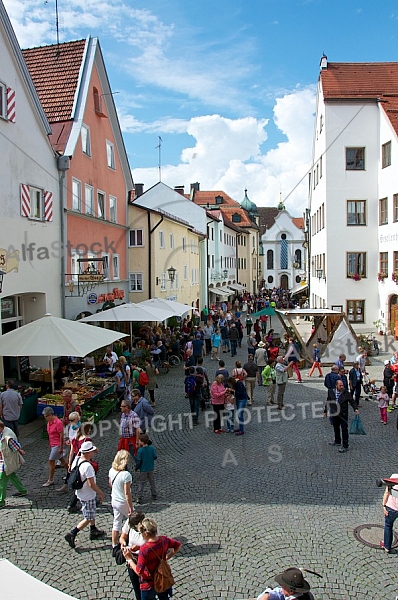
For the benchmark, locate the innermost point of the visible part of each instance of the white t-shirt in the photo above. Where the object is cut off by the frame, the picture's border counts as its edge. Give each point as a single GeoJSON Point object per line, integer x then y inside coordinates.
{"type": "Point", "coordinates": [119, 478]}
{"type": "Point", "coordinates": [86, 471]}
{"type": "Point", "coordinates": [135, 538]}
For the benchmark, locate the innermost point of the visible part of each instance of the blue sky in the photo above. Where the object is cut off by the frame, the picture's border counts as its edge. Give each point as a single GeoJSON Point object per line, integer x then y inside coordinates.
{"type": "Point", "coordinates": [229, 85]}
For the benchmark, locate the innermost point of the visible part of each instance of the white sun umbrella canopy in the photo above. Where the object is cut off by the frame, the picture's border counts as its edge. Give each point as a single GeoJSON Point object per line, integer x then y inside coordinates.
{"type": "Point", "coordinates": [178, 308]}
{"type": "Point", "coordinates": [52, 336]}
{"type": "Point", "coordinates": [22, 585]}
{"type": "Point", "coordinates": [131, 312]}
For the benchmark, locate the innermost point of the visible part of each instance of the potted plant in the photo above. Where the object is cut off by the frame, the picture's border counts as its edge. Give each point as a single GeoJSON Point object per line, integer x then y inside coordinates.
{"type": "Point", "coordinates": [394, 276]}
{"type": "Point", "coordinates": [380, 326]}
{"type": "Point", "coordinates": [381, 276]}
{"type": "Point", "coordinates": [355, 276]}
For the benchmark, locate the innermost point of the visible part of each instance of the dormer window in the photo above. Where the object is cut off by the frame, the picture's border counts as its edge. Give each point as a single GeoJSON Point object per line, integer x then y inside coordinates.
{"type": "Point", "coordinates": [236, 218]}
{"type": "Point", "coordinates": [219, 199]}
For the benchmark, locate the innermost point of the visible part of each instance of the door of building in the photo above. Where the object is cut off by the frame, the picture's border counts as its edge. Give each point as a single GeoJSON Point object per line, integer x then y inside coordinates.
{"type": "Point", "coordinates": [284, 282]}
{"type": "Point", "coordinates": [393, 312]}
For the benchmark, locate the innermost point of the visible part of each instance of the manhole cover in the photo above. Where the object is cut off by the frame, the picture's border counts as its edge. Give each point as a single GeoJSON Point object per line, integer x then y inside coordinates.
{"type": "Point", "coordinates": [371, 534]}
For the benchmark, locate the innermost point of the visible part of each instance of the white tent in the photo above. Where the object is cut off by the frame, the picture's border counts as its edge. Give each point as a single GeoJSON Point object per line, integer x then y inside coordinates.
{"type": "Point", "coordinates": [18, 585]}
{"type": "Point", "coordinates": [131, 312]}
{"type": "Point", "coordinates": [178, 308]}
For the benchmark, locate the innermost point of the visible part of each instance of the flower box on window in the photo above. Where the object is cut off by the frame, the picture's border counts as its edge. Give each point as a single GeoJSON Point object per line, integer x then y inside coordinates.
{"type": "Point", "coordinates": [381, 276]}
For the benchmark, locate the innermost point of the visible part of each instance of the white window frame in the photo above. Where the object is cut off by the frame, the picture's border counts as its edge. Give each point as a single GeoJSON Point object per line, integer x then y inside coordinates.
{"type": "Point", "coordinates": [161, 239]}
{"type": "Point", "coordinates": [106, 266]}
{"type": "Point", "coordinates": [171, 241]}
{"type": "Point", "coordinates": [116, 266]}
{"type": "Point", "coordinates": [163, 282]}
{"type": "Point", "coordinates": [184, 244]}
{"type": "Point", "coordinates": [103, 217]}
{"type": "Point", "coordinates": [135, 245]}
{"type": "Point", "coordinates": [86, 140]}
{"type": "Point", "coordinates": [3, 100]}
{"type": "Point", "coordinates": [110, 155]}
{"type": "Point", "coordinates": [112, 207]}
{"type": "Point", "coordinates": [185, 272]}
{"type": "Point", "coordinates": [89, 206]}
{"type": "Point", "coordinates": [76, 206]}
{"type": "Point", "coordinates": [136, 280]}
{"type": "Point", "coordinates": [36, 200]}
{"type": "Point", "coordinates": [75, 267]}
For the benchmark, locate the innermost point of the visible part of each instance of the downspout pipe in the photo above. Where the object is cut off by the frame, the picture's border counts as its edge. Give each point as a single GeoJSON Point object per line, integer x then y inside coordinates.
{"type": "Point", "coordinates": [63, 164]}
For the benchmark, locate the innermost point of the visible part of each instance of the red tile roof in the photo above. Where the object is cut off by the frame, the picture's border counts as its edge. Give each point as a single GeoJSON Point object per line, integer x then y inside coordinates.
{"type": "Point", "coordinates": [299, 222]}
{"type": "Point", "coordinates": [203, 198]}
{"type": "Point", "coordinates": [366, 81]}
{"type": "Point", "coordinates": [55, 73]}
{"type": "Point", "coordinates": [228, 211]}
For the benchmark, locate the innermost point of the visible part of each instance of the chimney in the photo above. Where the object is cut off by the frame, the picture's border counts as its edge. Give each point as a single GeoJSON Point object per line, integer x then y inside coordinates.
{"type": "Point", "coordinates": [180, 189]}
{"type": "Point", "coordinates": [139, 189]}
{"type": "Point", "coordinates": [324, 62]}
{"type": "Point", "coordinates": [194, 188]}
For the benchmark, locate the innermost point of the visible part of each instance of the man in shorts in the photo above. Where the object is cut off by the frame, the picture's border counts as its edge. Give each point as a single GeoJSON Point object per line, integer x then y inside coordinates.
{"type": "Point", "coordinates": [87, 495]}
{"type": "Point", "coordinates": [55, 430]}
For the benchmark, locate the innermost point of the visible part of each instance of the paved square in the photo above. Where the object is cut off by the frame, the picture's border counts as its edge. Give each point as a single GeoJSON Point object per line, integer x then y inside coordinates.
{"type": "Point", "coordinates": [245, 507]}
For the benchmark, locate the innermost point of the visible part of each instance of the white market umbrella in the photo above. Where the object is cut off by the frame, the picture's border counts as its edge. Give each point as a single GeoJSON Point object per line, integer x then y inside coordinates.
{"type": "Point", "coordinates": [131, 312]}
{"type": "Point", "coordinates": [178, 308]}
{"type": "Point", "coordinates": [22, 585]}
{"type": "Point", "coordinates": [52, 336]}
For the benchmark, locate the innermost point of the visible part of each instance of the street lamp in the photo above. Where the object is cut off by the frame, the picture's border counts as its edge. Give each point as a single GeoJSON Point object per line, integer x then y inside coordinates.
{"type": "Point", "coordinates": [2, 273]}
{"type": "Point", "coordinates": [172, 273]}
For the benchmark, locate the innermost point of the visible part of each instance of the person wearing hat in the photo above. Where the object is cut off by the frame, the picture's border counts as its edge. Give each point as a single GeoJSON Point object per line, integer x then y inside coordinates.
{"type": "Point", "coordinates": [291, 585]}
{"type": "Point", "coordinates": [260, 358]}
{"type": "Point", "coordinates": [87, 495]}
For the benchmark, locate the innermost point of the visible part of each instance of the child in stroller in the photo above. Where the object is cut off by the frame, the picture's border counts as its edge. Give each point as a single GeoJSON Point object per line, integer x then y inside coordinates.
{"type": "Point", "coordinates": [369, 386]}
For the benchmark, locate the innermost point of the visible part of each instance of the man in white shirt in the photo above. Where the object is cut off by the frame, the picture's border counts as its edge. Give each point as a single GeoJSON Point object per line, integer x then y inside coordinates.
{"type": "Point", "coordinates": [110, 359]}
{"type": "Point", "coordinates": [87, 495]}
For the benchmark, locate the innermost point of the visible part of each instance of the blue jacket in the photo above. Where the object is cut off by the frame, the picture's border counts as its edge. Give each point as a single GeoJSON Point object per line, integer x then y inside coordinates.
{"type": "Point", "coordinates": [330, 380]}
{"type": "Point", "coordinates": [145, 412]}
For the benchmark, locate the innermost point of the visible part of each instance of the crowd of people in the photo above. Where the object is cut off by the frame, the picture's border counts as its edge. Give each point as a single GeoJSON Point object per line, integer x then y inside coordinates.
{"type": "Point", "coordinates": [269, 363]}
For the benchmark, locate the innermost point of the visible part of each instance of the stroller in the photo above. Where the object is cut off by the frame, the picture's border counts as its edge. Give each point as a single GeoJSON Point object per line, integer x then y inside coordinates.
{"type": "Point", "coordinates": [369, 386]}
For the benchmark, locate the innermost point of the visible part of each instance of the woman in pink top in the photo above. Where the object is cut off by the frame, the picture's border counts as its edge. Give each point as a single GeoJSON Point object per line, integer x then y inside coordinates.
{"type": "Point", "coordinates": [390, 508]}
{"type": "Point", "coordinates": [55, 430]}
{"type": "Point", "coordinates": [217, 396]}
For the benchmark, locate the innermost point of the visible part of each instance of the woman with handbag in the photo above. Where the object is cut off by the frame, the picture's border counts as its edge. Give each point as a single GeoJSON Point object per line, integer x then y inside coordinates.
{"type": "Point", "coordinates": [120, 481]}
{"type": "Point", "coordinates": [130, 539]}
{"type": "Point", "coordinates": [155, 550]}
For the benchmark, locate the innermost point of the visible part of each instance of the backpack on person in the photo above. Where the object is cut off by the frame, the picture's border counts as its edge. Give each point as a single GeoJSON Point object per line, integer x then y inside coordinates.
{"type": "Point", "coordinates": [75, 479]}
{"type": "Point", "coordinates": [238, 374]}
{"type": "Point", "coordinates": [163, 578]}
{"type": "Point", "coordinates": [190, 385]}
{"type": "Point", "coordinates": [143, 378]}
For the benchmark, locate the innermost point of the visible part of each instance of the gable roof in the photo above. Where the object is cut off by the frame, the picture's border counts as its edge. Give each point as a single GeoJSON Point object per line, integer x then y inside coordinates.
{"type": "Point", "coordinates": [363, 81]}
{"type": "Point", "coordinates": [55, 71]}
{"type": "Point", "coordinates": [299, 222]}
{"type": "Point", "coordinates": [267, 216]}
{"type": "Point", "coordinates": [61, 74]}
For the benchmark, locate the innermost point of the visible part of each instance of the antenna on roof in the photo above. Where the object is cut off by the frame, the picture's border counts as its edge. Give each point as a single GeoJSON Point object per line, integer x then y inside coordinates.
{"type": "Point", "coordinates": [159, 147]}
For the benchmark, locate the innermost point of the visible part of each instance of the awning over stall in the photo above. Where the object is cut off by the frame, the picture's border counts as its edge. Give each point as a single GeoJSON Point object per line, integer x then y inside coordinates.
{"type": "Point", "coordinates": [220, 292]}
{"type": "Point", "coordinates": [237, 286]}
{"type": "Point", "coordinates": [299, 288]}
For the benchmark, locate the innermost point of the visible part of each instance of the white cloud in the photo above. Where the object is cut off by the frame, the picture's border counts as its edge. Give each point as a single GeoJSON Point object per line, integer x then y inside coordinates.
{"type": "Point", "coordinates": [227, 155]}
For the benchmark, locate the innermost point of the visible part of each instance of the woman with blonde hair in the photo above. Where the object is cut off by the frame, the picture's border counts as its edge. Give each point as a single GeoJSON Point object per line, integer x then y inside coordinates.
{"type": "Point", "coordinates": [155, 548]}
{"type": "Point", "coordinates": [120, 481]}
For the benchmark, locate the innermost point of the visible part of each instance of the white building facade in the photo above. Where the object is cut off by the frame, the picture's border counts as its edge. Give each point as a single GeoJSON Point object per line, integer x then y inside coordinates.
{"type": "Point", "coordinates": [30, 248]}
{"type": "Point", "coordinates": [353, 228]}
{"type": "Point", "coordinates": [284, 254]}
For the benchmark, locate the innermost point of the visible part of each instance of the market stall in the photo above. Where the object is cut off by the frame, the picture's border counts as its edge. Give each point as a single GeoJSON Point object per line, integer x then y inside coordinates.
{"type": "Point", "coordinates": [331, 331]}
{"type": "Point", "coordinates": [94, 396]}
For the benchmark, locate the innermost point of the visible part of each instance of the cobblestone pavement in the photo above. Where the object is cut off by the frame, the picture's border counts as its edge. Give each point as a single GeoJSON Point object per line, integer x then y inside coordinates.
{"type": "Point", "coordinates": [245, 507]}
